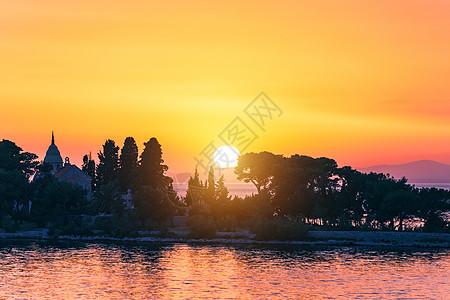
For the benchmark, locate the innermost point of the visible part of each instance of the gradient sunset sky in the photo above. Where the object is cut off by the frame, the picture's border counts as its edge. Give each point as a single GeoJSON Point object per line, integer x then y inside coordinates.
{"type": "Point", "coordinates": [363, 82]}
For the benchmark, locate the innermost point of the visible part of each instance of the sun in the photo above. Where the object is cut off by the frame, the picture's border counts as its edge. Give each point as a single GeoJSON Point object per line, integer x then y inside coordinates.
{"type": "Point", "coordinates": [226, 157]}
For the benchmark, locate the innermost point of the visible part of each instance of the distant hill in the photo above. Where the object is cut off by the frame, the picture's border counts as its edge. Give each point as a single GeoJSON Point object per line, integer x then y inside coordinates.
{"type": "Point", "coordinates": [422, 171]}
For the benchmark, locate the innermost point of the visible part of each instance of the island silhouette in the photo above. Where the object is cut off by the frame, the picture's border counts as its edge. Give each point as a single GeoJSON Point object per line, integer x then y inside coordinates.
{"type": "Point", "coordinates": [126, 191]}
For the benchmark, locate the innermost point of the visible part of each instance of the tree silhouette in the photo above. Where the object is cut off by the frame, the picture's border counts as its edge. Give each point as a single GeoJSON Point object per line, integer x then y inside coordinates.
{"type": "Point", "coordinates": [257, 168]}
{"type": "Point", "coordinates": [153, 187]}
{"type": "Point", "coordinates": [88, 167]}
{"type": "Point", "coordinates": [108, 166]}
{"type": "Point", "coordinates": [209, 193]}
{"type": "Point", "coordinates": [108, 200]}
{"type": "Point", "coordinates": [12, 158]}
{"type": "Point", "coordinates": [350, 199]}
{"type": "Point", "coordinates": [151, 169]}
{"type": "Point", "coordinates": [194, 191]}
{"type": "Point", "coordinates": [433, 207]}
{"type": "Point", "coordinates": [128, 164]}
{"type": "Point", "coordinates": [313, 190]}
{"type": "Point", "coordinates": [14, 194]}
{"type": "Point", "coordinates": [398, 205]}
{"type": "Point", "coordinates": [222, 191]}
{"type": "Point", "coordinates": [294, 185]}
{"type": "Point", "coordinates": [16, 169]}
{"type": "Point", "coordinates": [149, 204]}
{"type": "Point", "coordinates": [53, 199]}
{"type": "Point", "coordinates": [319, 192]}
{"type": "Point", "coordinates": [221, 205]}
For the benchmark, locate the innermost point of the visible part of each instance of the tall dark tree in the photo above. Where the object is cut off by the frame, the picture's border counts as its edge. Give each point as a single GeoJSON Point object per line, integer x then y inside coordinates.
{"type": "Point", "coordinates": [108, 166]}
{"type": "Point", "coordinates": [151, 169]}
{"type": "Point", "coordinates": [151, 196]}
{"type": "Point", "coordinates": [294, 185]}
{"type": "Point", "coordinates": [433, 208]}
{"type": "Point", "coordinates": [88, 167]}
{"type": "Point", "coordinates": [375, 190]}
{"type": "Point", "coordinates": [350, 200]}
{"type": "Point", "coordinates": [209, 193]}
{"type": "Point", "coordinates": [194, 191]}
{"type": "Point", "coordinates": [12, 158]}
{"type": "Point", "coordinates": [398, 206]}
{"type": "Point", "coordinates": [325, 184]}
{"type": "Point", "coordinates": [16, 168]}
{"type": "Point", "coordinates": [128, 164]}
{"type": "Point", "coordinates": [222, 191]}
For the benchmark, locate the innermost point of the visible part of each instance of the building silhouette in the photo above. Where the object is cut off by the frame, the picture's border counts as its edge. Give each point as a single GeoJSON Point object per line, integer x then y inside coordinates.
{"type": "Point", "coordinates": [52, 156]}
{"type": "Point", "coordinates": [66, 171]}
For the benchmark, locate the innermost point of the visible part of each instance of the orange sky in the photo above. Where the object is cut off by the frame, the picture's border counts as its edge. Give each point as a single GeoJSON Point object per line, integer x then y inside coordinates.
{"type": "Point", "coordinates": [364, 82]}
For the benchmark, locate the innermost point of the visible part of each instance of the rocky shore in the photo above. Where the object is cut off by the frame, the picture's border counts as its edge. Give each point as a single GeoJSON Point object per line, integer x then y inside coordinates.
{"type": "Point", "coordinates": [330, 238]}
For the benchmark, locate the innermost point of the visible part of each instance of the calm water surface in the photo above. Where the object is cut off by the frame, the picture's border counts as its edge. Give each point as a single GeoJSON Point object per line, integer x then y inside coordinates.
{"type": "Point", "coordinates": [36, 270]}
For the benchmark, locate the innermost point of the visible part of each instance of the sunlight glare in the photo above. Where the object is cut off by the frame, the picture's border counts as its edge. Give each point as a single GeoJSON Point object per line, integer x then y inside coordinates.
{"type": "Point", "coordinates": [226, 157]}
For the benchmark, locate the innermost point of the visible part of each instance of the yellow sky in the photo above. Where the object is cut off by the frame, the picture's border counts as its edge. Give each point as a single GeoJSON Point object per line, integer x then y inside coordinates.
{"type": "Point", "coordinates": [364, 82]}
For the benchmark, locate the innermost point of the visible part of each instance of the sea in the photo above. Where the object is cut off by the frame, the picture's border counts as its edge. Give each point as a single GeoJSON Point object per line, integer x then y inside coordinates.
{"type": "Point", "coordinates": [130, 270]}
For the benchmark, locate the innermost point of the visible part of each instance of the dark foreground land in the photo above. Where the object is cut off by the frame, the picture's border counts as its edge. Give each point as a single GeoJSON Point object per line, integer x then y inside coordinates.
{"type": "Point", "coordinates": [350, 238]}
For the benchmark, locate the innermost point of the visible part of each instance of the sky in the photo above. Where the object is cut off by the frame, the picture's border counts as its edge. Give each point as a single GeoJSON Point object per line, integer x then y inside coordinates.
{"type": "Point", "coordinates": [363, 82]}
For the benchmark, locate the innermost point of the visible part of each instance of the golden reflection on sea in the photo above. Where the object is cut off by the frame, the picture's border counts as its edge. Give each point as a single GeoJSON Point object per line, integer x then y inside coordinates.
{"type": "Point", "coordinates": [89, 271]}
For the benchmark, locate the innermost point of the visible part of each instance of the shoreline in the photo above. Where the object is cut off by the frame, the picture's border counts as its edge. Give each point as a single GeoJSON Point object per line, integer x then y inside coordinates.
{"type": "Point", "coordinates": [315, 238]}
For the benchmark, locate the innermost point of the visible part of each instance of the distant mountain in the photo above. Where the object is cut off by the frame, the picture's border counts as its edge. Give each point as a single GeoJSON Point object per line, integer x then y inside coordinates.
{"type": "Point", "coordinates": [422, 171]}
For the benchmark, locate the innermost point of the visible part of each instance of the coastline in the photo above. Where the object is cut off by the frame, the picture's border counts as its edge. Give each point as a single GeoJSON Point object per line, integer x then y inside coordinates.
{"type": "Point", "coordinates": [315, 238]}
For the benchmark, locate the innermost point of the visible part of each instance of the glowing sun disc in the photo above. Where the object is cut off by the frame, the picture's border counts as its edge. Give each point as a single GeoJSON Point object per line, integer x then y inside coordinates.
{"type": "Point", "coordinates": [226, 157]}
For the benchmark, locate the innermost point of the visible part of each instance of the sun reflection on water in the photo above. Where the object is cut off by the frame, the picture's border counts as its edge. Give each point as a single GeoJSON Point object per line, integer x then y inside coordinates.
{"type": "Point", "coordinates": [31, 270]}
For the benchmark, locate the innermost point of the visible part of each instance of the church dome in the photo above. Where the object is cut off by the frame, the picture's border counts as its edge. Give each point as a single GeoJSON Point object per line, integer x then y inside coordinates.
{"type": "Point", "coordinates": [53, 156]}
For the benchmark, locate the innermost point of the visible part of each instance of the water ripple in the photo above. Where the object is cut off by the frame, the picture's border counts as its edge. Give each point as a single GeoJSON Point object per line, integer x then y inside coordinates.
{"type": "Point", "coordinates": [76, 270]}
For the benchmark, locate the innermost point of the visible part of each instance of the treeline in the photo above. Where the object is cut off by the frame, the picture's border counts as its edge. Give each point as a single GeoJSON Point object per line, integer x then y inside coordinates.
{"type": "Point", "coordinates": [321, 193]}
{"type": "Point", "coordinates": [40, 200]}
{"type": "Point", "coordinates": [131, 193]}
{"type": "Point", "coordinates": [212, 209]}
{"type": "Point", "coordinates": [314, 191]}
{"type": "Point", "coordinates": [30, 193]}
{"type": "Point", "coordinates": [122, 171]}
